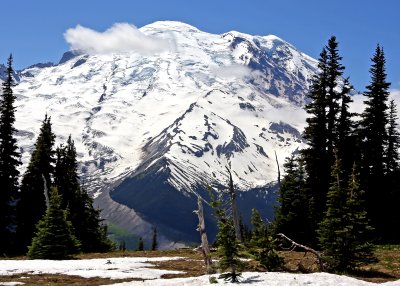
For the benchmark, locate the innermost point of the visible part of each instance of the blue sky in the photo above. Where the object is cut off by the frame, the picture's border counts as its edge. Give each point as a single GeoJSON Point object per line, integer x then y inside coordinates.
{"type": "Point", "coordinates": [33, 30]}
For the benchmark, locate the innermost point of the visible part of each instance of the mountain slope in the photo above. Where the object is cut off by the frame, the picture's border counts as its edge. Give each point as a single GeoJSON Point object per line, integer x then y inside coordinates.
{"type": "Point", "coordinates": [154, 130]}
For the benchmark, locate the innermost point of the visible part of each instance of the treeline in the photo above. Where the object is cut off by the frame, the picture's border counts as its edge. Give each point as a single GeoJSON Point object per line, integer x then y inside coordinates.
{"type": "Point", "coordinates": [340, 194]}
{"type": "Point", "coordinates": [48, 212]}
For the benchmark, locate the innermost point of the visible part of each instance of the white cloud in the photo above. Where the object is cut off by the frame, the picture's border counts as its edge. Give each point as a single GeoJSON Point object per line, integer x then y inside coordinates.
{"type": "Point", "coordinates": [232, 71]}
{"type": "Point", "coordinates": [121, 37]}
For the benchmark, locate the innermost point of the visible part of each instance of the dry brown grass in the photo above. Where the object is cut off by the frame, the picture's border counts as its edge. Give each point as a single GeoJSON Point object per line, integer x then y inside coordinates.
{"type": "Point", "coordinates": [52, 280]}
{"type": "Point", "coordinates": [387, 269]}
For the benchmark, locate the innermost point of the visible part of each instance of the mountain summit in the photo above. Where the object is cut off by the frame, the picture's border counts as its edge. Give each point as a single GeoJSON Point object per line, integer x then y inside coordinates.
{"type": "Point", "coordinates": [152, 130]}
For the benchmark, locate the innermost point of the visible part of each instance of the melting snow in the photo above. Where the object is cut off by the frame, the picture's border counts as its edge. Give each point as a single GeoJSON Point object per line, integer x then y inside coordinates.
{"type": "Point", "coordinates": [139, 267]}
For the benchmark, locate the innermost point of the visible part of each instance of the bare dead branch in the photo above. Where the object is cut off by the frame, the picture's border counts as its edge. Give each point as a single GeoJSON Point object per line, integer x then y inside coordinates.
{"type": "Point", "coordinates": [306, 249]}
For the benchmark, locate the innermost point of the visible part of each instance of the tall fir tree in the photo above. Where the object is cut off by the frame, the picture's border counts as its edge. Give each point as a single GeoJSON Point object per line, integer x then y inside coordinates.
{"type": "Point", "coordinates": [86, 220]}
{"type": "Point", "coordinates": [346, 144]}
{"type": "Point", "coordinates": [316, 134]}
{"type": "Point", "coordinates": [392, 181]}
{"type": "Point", "coordinates": [292, 215]}
{"type": "Point", "coordinates": [374, 139]}
{"type": "Point", "coordinates": [392, 151]}
{"type": "Point", "coordinates": [344, 233]}
{"type": "Point", "coordinates": [329, 103]}
{"type": "Point", "coordinates": [65, 173]}
{"type": "Point", "coordinates": [154, 242]}
{"type": "Point", "coordinates": [9, 161]}
{"type": "Point", "coordinates": [32, 204]}
{"type": "Point", "coordinates": [334, 74]}
{"type": "Point", "coordinates": [54, 238]}
{"type": "Point", "coordinates": [140, 244]}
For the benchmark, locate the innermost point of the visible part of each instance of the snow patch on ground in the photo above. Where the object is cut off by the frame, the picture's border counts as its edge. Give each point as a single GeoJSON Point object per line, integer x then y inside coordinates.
{"type": "Point", "coordinates": [139, 267]}
{"type": "Point", "coordinates": [113, 268]}
{"type": "Point", "coordinates": [262, 279]}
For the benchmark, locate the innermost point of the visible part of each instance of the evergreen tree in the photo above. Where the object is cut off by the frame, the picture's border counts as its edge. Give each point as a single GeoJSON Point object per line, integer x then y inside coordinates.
{"type": "Point", "coordinates": [84, 217]}
{"type": "Point", "coordinates": [89, 227]}
{"type": "Point", "coordinates": [9, 161]}
{"type": "Point", "coordinates": [122, 246]}
{"type": "Point", "coordinates": [262, 244]}
{"type": "Point", "coordinates": [228, 245]}
{"type": "Point", "coordinates": [392, 152]}
{"type": "Point", "coordinates": [392, 180]}
{"type": "Point", "coordinates": [316, 135]}
{"type": "Point", "coordinates": [292, 216]}
{"type": "Point", "coordinates": [245, 232]}
{"type": "Point", "coordinates": [54, 237]}
{"type": "Point", "coordinates": [346, 145]}
{"type": "Point", "coordinates": [344, 233]}
{"type": "Point", "coordinates": [334, 74]}
{"type": "Point", "coordinates": [374, 139]}
{"type": "Point", "coordinates": [66, 175]}
{"type": "Point", "coordinates": [154, 243]}
{"type": "Point", "coordinates": [140, 244]}
{"type": "Point", "coordinates": [32, 205]}
{"type": "Point", "coordinates": [327, 129]}
{"type": "Point", "coordinates": [361, 246]}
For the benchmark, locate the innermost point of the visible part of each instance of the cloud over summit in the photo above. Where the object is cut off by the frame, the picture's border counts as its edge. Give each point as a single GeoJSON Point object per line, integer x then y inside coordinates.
{"type": "Point", "coordinates": [120, 38]}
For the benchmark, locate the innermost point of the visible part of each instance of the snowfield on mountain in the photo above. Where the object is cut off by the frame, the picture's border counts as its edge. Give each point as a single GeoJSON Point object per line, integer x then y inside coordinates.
{"type": "Point", "coordinates": [153, 130]}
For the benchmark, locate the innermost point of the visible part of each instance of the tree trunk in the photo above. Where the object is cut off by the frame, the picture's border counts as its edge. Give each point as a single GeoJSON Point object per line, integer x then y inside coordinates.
{"type": "Point", "coordinates": [279, 172]}
{"type": "Point", "coordinates": [46, 192]}
{"type": "Point", "coordinates": [203, 235]}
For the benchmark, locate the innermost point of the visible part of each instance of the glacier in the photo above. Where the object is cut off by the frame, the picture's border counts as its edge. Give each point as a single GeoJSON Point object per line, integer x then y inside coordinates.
{"type": "Point", "coordinates": [153, 131]}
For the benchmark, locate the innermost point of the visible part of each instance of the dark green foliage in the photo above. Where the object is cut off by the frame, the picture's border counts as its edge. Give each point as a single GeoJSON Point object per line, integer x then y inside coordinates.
{"type": "Point", "coordinates": [392, 151]}
{"type": "Point", "coordinates": [392, 181]}
{"type": "Point", "coordinates": [140, 244]}
{"type": "Point", "coordinates": [316, 135]}
{"type": "Point", "coordinates": [345, 234]}
{"type": "Point", "coordinates": [54, 237]}
{"type": "Point", "coordinates": [65, 175]}
{"type": "Point", "coordinates": [293, 212]}
{"type": "Point", "coordinates": [245, 232]}
{"type": "Point", "coordinates": [31, 206]}
{"type": "Point", "coordinates": [346, 143]}
{"type": "Point", "coordinates": [9, 161]}
{"type": "Point", "coordinates": [374, 139]}
{"type": "Point", "coordinates": [122, 246]}
{"type": "Point", "coordinates": [262, 244]}
{"type": "Point", "coordinates": [88, 225]}
{"type": "Point", "coordinates": [154, 243]}
{"type": "Point", "coordinates": [334, 72]}
{"type": "Point", "coordinates": [84, 217]}
{"type": "Point", "coordinates": [375, 117]}
{"type": "Point", "coordinates": [329, 127]}
{"type": "Point", "coordinates": [228, 245]}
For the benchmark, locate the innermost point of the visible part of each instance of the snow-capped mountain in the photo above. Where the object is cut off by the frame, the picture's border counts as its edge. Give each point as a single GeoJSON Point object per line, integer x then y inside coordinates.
{"type": "Point", "coordinates": [153, 130]}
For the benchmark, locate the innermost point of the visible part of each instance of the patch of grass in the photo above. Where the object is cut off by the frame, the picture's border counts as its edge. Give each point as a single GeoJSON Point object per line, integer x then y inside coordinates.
{"type": "Point", "coordinates": [52, 280]}
{"type": "Point", "coordinates": [388, 266]}
{"type": "Point", "coordinates": [390, 247]}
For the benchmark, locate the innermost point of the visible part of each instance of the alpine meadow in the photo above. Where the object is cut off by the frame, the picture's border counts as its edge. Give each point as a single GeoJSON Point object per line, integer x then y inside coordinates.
{"type": "Point", "coordinates": [168, 155]}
